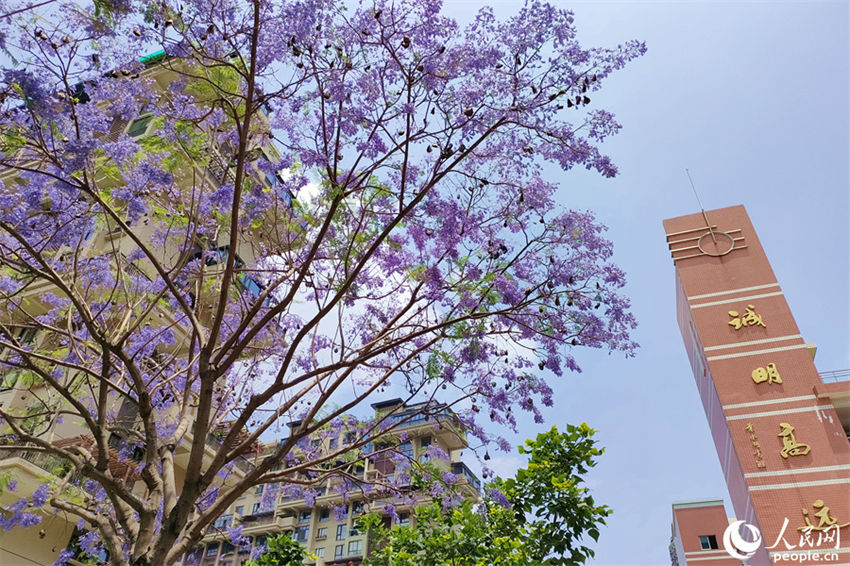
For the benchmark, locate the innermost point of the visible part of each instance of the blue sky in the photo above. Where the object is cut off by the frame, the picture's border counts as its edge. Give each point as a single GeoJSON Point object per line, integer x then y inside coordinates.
{"type": "Point", "coordinates": [753, 99]}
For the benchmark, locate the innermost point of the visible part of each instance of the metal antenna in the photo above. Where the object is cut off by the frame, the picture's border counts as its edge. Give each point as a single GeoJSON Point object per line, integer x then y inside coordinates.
{"type": "Point", "coordinates": [704, 215]}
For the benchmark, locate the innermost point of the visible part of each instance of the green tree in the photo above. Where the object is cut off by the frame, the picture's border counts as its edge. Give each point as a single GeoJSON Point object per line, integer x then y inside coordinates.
{"type": "Point", "coordinates": [541, 516]}
{"type": "Point", "coordinates": [281, 550]}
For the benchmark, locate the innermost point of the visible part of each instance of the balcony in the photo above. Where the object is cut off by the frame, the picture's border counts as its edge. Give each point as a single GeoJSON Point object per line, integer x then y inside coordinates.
{"type": "Point", "coordinates": [413, 418]}
{"type": "Point", "coordinates": [260, 523]}
{"type": "Point", "coordinates": [462, 471]}
{"type": "Point", "coordinates": [50, 463]}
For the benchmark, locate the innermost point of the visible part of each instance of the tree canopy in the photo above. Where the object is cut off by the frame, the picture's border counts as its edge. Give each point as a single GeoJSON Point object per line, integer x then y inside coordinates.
{"type": "Point", "coordinates": [539, 517]}
{"type": "Point", "coordinates": [223, 222]}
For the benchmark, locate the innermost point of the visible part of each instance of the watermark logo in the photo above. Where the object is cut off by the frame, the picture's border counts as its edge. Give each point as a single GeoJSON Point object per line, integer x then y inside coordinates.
{"type": "Point", "coordinates": [811, 546]}
{"type": "Point", "coordinates": [735, 544]}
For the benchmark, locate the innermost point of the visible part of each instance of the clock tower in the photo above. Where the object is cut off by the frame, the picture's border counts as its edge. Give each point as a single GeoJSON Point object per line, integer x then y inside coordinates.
{"type": "Point", "coordinates": [779, 438]}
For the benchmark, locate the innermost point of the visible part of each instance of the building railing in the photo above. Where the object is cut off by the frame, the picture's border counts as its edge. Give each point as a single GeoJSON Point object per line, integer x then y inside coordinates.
{"type": "Point", "coordinates": [263, 518]}
{"type": "Point", "coordinates": [835, 376]}
{"type": "Point", "coordinates": [460, 469]}
{"type": "Point", "coordinates": [214, 441]}
{"type": "Point", "coordinates": [50, 463]}
{"type": "Point", "coordinates": [412, 418]}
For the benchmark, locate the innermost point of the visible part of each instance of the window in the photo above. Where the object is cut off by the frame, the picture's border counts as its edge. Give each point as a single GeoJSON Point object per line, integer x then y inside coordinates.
{"type": "Point", "coordinates": [245, 547]}
{"type": "Point", "coordinates": [357, 507]}
{"type": "Point", "coordinates": [304, 517]}
{"type": "Point", "coordinates": [333, 444]}
{"type": "Point", "coordinates": [256, 509]}
{"type": "Point", "coordinates": [139, 126]}
{"type": "Point", "coordinates": [240, 510]}
{"type": "Point", "coordinates": [338, 550]}
{"type": "Point", "coordinates": [354, 548]}
{"type": "Point", "coordinates": [302, 533]}
{"type": "Point", "coordinates": [227, 548]}
{"type": "Point", "coordinates": [424, 444]}
{"type": "Point", "coordinates": [341, 532]}
{"type": "Point", "coordinates": [406, 448]}
{"type": "Point", "coordinates": [403, 519]}
{"type": "Point", "coordinates": [708, 542]}
{"type": "Point", "coordinates": [324, 515]}
{"type": "Point", "coordinates": [320, 552]}
{"type": "Point", "coordinates": [259, 489]}
{"type": "Point", "coordinates": [223, 522]}
{"type": "Point", "coordinates": [322, 533]}
{"type": "Point", "coordinates": [212, 549]}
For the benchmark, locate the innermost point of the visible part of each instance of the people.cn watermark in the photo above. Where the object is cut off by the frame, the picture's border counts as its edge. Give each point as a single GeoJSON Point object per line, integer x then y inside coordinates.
{"type": "Point", "coordinates": [737, 547]}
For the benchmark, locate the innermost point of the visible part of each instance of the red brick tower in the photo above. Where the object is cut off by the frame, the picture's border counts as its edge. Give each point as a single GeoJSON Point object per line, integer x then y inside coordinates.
{"type": "Point", "coordinates": [781, 445]}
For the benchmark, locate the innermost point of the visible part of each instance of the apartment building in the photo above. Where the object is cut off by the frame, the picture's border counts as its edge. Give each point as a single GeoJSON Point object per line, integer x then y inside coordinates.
{"type": "Point", "coordinates": [327, 528]}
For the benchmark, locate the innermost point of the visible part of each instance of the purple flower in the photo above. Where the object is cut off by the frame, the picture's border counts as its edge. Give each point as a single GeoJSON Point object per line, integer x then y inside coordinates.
{"type": "Point", "coordinates": [448, 477]}
{"type": "Point", "coordinates": [390, 510]}
{"type": "Point", "coordinates": [40, 495]}
{"type": "Point", "coordinates": [498, 497]}
{"type": "Point", "coordinates": [64, 557]}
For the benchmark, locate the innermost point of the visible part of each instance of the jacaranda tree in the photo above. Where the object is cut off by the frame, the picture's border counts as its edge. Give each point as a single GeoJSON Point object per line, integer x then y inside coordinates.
{"type": "Point", "coordinates": [291, 208]}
